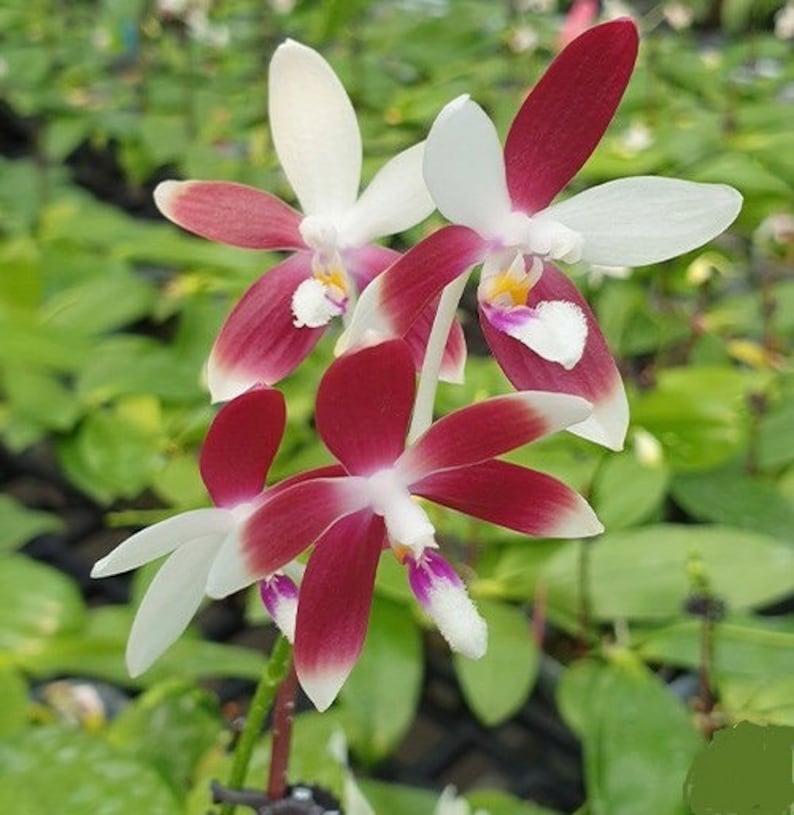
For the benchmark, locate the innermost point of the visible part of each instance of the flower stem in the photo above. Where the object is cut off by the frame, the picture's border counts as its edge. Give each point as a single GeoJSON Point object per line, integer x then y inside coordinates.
{"type": "Point", "coordinates": [274, 673]}
{"type": "Point", "coordinates": [283, 715]}
{"type": "Point", "coordinates": [434, 354]}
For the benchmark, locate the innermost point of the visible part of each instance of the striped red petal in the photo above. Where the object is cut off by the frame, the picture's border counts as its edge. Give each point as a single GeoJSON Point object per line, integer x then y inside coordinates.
{"type": "Point", "coordinates": [258, 343]}
{"type": "Point", "coordinates": [567, 112]}
{"type": "Point", "coordinates": [230, 213]}
{"type": "Point", "coordinates": [364, 403]}
{"type": "Point", "coordinates": [490, 428]}
{"type": "Point", "coordinates": [334, 604]}
{"type": "Point", "coordinates": [240, 446]}
{"type": "Point", "coordinates": [524, 500]}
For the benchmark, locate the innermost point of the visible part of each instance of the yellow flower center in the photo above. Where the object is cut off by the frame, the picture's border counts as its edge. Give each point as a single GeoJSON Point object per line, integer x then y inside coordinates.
{"type": "Point", "coordinates": [507, 289]}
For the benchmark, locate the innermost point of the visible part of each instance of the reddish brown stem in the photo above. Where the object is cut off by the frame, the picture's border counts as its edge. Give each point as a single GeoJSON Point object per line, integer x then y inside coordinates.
{"type": "Point", "coordinates": [283, 714]}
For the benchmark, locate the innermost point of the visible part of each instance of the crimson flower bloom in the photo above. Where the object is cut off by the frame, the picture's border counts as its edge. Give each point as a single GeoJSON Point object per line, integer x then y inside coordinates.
{"type": "Point", "coordinates": [364, 404]}
{"type": "Point", "coordinates": [538, 326]}
{"type": "Point", "coordinates": [284, 313]}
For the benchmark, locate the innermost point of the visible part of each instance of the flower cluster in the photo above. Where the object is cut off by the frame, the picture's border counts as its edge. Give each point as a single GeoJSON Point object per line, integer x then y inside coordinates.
{"type": "Point", "coordinates": [398, 318]}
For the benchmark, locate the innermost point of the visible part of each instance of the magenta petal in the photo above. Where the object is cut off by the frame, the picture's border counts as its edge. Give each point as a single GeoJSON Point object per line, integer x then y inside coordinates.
{"type": "Point", "coordinates": [512, 496]}
{"type": "Point", "coordinates": [258, 343]}
{"type": "Point", "coordinates": [366, 263]}
{"type": "Point", "coordinates": [292, 519]}
{"type": "Point", "coordinates": [334, 605]}
{"type": "Point", "coordinates": [490, 428]}
{"type": "Point", "coordinates": [240, 446]}
{"type": "Point", "coordinates": [595, 377]}
{"type": "Point", "coordinates": [230, 213]}
{"type": "Point", "coordinates": [419, 277]}
{"type": "Point", "coordinates": [453, 363]}
{"type": "Point", "coordinates": [364, 404]}
{"type": "Point", "coordinates": [567, 112]}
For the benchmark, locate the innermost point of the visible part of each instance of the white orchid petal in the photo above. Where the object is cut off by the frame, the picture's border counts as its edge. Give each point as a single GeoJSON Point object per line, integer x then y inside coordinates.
{"type": "Point", "coordinates": [465, 170]}
{"type": "Point", "coordinates": [634, 221]}
{"type": "Point", "coordinates": [162, 538]}
{"type": "Point", "coordinates": [173, 597]}
{"type": "Point", "coordinates": [395, 200]}
{"type": "Point", "coordinates": [315, 131]}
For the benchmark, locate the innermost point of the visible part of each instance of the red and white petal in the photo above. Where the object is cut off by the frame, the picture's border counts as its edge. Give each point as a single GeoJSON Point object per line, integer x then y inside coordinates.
{"type": "Point", "coordinates": [390, 304]}
{"type": "Point", "coordinates": [259, 342]}
{"type": "Point", "coordinates": [364, 404]}
{"type": "Point", "coordinates": [595, 377]}
{"type": "Point", "coordinates": [465, 168]}
{"type": "Point", "coordinates": [395, 200]}
{"type": "Point", "coordinates": [315, 131]}
{"type": "Point", "coordinates": [490, 428]}
{"type": "Point", "coordinates": [280, 597]}
{"type": "Point", "coordinates": [442, 594]}
{"type": "Point", "coordinates": [635, 221]}
{"type": "Point", "coordinates": [334, 605]}
{"type": "Point", "coordinates": [366, 263]}
{"type": "Point", "coordinates": [241, 444]}
{"type": "Point", "coordinates": [554, 329]}
{"type": "Point", "coordinates": [170, 602]}
{"type": "Point", "coordinates": [162, 538]}
{"type": "Point", "coordinates": [284, 525]}
{"type": "Point", "coordinates": [453, 361]}
{"type": "Point", "coordinates": [230, 213]}
{"type": "Point", "coordinates": [503, 493]}
{"type": "Point", "coordinates": [567, 112]}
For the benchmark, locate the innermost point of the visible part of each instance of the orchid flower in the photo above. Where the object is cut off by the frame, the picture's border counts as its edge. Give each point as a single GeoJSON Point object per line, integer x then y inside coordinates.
{"type": "Point", "coordinates": [364, 403]}
{"type": "Point", "coordinates": [284, 313]}
{"type": "Point", "coordinates": [236, 456]}
{"type": "Point", "coordinates": [538, 326]}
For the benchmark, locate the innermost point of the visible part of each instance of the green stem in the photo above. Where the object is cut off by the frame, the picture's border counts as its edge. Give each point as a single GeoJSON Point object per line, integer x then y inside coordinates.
{"type": "Point", "coordinates": [431, 366]}
{"type": "Point", "coordinates": [274, 673]}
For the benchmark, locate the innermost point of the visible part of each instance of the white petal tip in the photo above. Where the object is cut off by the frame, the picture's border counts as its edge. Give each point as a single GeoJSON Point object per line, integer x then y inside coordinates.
{"type": "Point", "coordinates": [165, 193]}
{"type": "Point", "coordinates": [100, 568]}
{"type": "Point", "coordinates": [579, 522]}
{"type": "Point", "coordinates": [323, 687]}
{"type": "Point", "coordinates": [609, 421]}
{"type": "Point", "coordinates": [225, 385]}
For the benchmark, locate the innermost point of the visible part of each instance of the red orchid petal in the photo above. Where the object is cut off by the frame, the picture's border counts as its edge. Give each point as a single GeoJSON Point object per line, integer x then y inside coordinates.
{"type": "Point", "coordinates": [567, 112]}
{"type": "Point", "coordinates": [490, 428]}
{"type": "Point", "coordinates": [334, 604]}
{"type": "Point", "coordinates": [453, 361]}
{"type": "Point", "coordinates": [595, 377]}
{"type": "Point", "coordinates": [366, 263]}
{"type": "Point", "coordinates": [230, 213]}
{"type": "Point", "coordinates": [390, 304]}
{"type": "Point", "coordinates": [292, 519]}
{"type": "Point", "coordinates": [240, 446]}
{"type": "Point", "coordinates": [259, 344]}
{"type": "Point", "coordinates": [524, 500]}
{"type": "Point", "coordinates": [364, 404]}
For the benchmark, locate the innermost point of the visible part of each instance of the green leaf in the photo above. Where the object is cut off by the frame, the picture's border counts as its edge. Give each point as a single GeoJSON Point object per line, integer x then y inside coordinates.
{"type": "Point", "coordinates": [18, 524]}
{"type": "Point", "coordinates": [497, 685]}
{"type": "Point", "coordinates": [740, 649]}
{"type": "Point", "coordinates": [764, 700]}
{"type": "Point", "coordinates": [626, 491]}
{"type": "Point", "coordinates": [699, 414]}
{"type": "Point", "coordinates": [100, 304]}
{"type": "Point", "coordinates": [395, 799]}
{"type": "Point", "coordinates": [381, 694]}
{"type": "Point", "coordinates": [730, 497]}
{"type": "Point", "coordinates": [495, 802]}
{"type": "Point", "coordinates": [83, 774]}
{"type": "Point", "coordinates": [13, 702]}
{"type": "Point", "coordinates": [98, 650]}
{"type": "Point", "coordinates": [37, 602]}
{"type": "Point", "coordinates": [170, 727]}
{"type": "Point", "coordinates": [39, 397]}
{"type": "Point", "coordinates": [643, 573]}
{"type": "Point", "coordinates": [637, 737]}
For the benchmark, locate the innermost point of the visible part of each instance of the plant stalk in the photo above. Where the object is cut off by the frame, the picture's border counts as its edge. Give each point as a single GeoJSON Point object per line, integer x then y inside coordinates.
{"type": "Point", "coordinates": [274, 674]}
{"type": "Point", "coordinates": [283, 715]}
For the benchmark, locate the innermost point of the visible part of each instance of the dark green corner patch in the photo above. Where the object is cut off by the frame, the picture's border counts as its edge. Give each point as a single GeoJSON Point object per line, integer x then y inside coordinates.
{"type": "Point", "coordinates": [746, 770]}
